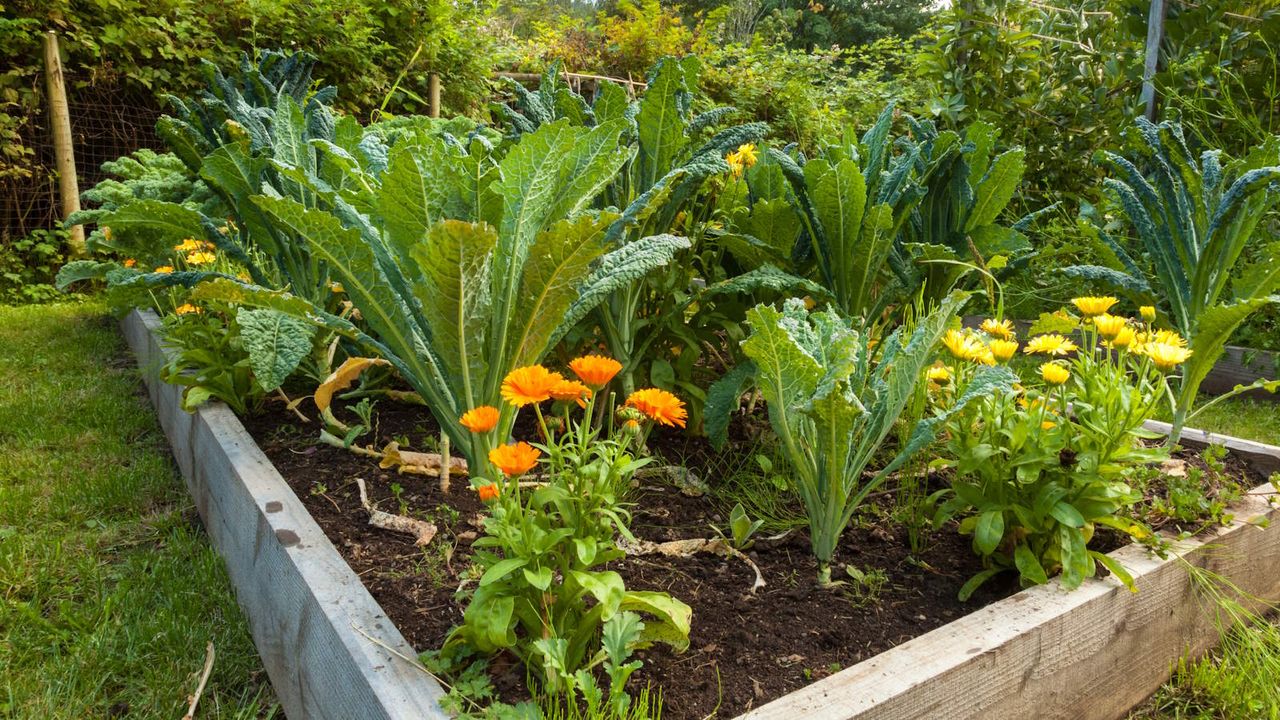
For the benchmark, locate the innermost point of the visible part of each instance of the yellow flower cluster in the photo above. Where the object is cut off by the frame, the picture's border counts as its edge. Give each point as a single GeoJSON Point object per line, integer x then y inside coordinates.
{"type": "Point", "coordinates": [742, 159]}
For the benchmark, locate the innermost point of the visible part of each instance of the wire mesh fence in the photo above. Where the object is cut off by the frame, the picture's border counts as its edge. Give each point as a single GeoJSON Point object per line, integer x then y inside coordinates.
{"type": "Point", "coordinates": [107, 121]}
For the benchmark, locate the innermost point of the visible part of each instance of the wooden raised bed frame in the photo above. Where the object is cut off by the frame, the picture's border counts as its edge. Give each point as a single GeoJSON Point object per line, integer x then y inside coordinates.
{"type": "Point", "coordinates": [1096, 652]}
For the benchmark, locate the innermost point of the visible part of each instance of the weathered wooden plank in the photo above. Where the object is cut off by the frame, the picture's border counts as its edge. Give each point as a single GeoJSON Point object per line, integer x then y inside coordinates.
{"type": "Point", "coordinates": [308, 612]}
{"type": "Point", "coordinates": [1094, 653]}
{"type": "Point", "coordinates": [1242, 366]}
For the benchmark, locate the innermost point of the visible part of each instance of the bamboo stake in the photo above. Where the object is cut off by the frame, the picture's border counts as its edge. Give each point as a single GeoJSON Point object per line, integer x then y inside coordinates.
{"type": "Point", "coordinates": [60, 124]}
{"type": "Point", "coordinates": [433, 93]}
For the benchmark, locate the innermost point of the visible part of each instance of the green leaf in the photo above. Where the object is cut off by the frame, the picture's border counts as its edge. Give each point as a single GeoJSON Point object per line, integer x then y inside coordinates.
{"type": "Point", "coordinates": [276, 343]}
{"type": "Point", "coordinates": [660, 122]}
{"type": "Point", "coordinates": [501, 569]}
{"type": "Point", "coordinates": [1213, 329]}
{"type": "Point", "coordinates": [670, 621]}
{"type": "Point", "coordinates": [723, 399]}
{"type": "Point", "coordinates": [996, 189]}
{"type": "Point", "coordinates": [1116, 569]}
{"type": "Point", "coordinates": [540, 578]}
{"type": "Point", "coordinates": [1028, 565]}
{"type": "Point", "coordinates": [152, 224]}
{"type": "Point", "coordinates": [453, 264]}
{"type": "Point", "coordinates": [560, 261]}
{"type": "Point", "coordinates": [605, 586]}
{"type": "Point", "coordinates": [78, 270]}
{"type": "Point", "coordinates": [989, 531]}
{"type": "Point", "coordinates": [1066, 513]}
{"type": "Point", "coordinates": [973, 583]}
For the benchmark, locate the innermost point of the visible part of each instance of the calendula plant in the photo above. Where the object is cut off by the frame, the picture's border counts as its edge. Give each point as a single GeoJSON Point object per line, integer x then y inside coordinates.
{"type": "Point", "coordinates": [464, 263]}
{"type": "Point", "coordinates": [543, 592]}
{"type": "Point", "coordinates": [833, 401]}
{"type": "Point", "coordinates": [1193, 218]}
{"type": "Point", "coordinates": [1038, 466]}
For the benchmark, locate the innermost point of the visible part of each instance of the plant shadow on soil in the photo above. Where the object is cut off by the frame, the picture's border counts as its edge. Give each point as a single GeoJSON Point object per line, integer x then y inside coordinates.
{"type": "Point", "coordinates": [745, 649]}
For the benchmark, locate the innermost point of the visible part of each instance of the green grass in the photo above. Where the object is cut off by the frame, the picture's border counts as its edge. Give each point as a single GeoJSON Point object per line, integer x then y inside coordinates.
{"type": "Point", "coordinates": [111, 590]}
{"type": "Point", "coordinates": [1240, 417]}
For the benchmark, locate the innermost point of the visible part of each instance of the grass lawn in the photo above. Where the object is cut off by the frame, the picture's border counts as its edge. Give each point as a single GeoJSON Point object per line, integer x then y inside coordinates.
{"type": "Point", "coordinates": [1241, 417]}
{"type": "Point", "coordinates": [111, 590]}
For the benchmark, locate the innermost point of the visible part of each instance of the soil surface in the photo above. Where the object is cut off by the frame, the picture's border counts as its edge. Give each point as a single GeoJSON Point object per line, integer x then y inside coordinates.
{"type": "Point", "coordinates": [745, 649]}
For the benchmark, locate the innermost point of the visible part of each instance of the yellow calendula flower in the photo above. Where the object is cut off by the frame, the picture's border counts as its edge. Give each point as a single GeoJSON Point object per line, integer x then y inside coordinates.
{"type": "Point", "coordinates": [965, 346]}
{"type": "Point", "coordinates": [1166, 356]}
{"type": "Point", "coordinates": [1122, 339]}
{"type": "Point", "coordinates": [201, 258]}
{"type": "Point", "coordinates": [939, 374]}
{"type": "Point", "coordinates": [1108, 325]}
{"type": "Point", "coordinates": [1169, 337]}
{"type": "Point", "coordinates": [741, 159]}
{"type": "Point", "coordinates": [1092, 305]}
{"type": "Point", "coordinates": [1148, 312]}
{"type": "Point", "coordinates": [1051, 344]}
{"type": "Point", "coordinates": [1048, 425]}
{"type": "Point", "coordinates": [186, 309]}
{"type": "Point", "coordinates": [1003, 350]}
{"type": "Point", "coordinates": [164, 269]}
{"type": "Point", "coordinates": [1054, 374]}
{"type": "Point", "coordinates": [188, 245]}
{"type": "Point", "coordinates": [1002, 329]}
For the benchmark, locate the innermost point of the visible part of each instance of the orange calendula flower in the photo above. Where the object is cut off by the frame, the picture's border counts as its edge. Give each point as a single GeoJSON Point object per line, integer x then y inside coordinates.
{"type": "Point", "coordinates": [201, 258]}
{"type": "Point", "coordinates": [1002, 350]}
{"type": "Point", "coordinates": [186, 309]}
{"type": "Point", "coordinates": [130, 262]}
{"type": "Point", "coordinates": [1002, 329]}
{"type": "Point", "coordinates": [515, 458]}
{"type": "Point", "coordinates": [595, 370]}
{"type": "Point", "coordinates": [1054, 374]}
{"type": "Point", "coordinates": [529, 385]}
{"type": "Point", "coordinates": [1092, 305]}
{"type": "Point", "coordinates": [489, 492]}
{"type": "Point", "coordinates": [571, 391]}
{"type": "Point", "coordinates": [480, 419]}
{"type": "Point", "coordinates": [164, 269]}
{"type": "Point", "coordinates": [1051, 344]}
{"type": "Point", "coordinates": [659, 405]}
{"type": "Point", "coordinates": [1109, 325]}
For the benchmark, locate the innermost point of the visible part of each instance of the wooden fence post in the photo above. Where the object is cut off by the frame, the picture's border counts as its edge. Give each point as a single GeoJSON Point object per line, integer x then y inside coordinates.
{"type": "Point", "coordinates": [433, 93]}
{"type": "Point", "coordinates": [1155, 33]}
{"type": "Point", "coordinates": [60, 125]}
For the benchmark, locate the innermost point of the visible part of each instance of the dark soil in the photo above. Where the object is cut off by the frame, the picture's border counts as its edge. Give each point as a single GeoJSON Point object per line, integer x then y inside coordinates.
{"type": "Point", "coordinates": [744, 649]}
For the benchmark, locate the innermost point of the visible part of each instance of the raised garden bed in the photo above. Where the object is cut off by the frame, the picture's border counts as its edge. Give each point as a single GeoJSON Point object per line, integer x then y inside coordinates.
{"type": "Point", "coordinates": [332, 652]}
